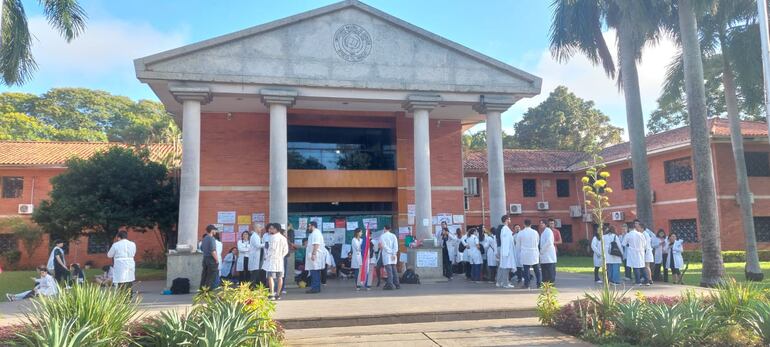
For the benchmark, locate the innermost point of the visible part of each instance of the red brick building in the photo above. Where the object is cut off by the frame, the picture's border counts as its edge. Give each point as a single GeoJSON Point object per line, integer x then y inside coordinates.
{"type": "Point", "coordinates": [26, 169]}
{"type": "Point", "coordinates": [534, 177]}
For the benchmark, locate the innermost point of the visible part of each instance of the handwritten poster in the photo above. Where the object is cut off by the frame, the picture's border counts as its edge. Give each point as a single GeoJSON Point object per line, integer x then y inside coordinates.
{"type": "Point", "coordinates": [226, 217]}
{"type": "Point", "coordinates": [370, 223]}
{"type": "Point", "coordinates": [244, 219]}
{"type": "Point", "coordinates": [426, 259]}
{"type": "Point", "coordinates": [258, 217]}
{"type": "Point", "coordinates": [444, 218]}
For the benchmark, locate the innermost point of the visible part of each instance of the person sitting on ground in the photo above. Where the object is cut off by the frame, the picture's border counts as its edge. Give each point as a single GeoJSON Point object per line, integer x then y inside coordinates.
{"type": "Point", "coordinates": [105, 279]}
{"type": "Point", "coordinates": [45, 286]}
{"type": "Point", "coordinates": [77, 274]}
{"type": "Point", "coordinates": [344, 265]}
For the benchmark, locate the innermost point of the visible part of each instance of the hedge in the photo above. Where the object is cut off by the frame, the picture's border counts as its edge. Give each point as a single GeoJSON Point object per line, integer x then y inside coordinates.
{"type": "Point", "coordinates": [727, 256]}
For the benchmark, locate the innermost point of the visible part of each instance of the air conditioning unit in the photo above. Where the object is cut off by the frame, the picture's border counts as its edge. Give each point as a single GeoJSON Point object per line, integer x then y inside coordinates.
{"type": "Point", "coordinates": [618, 216]}
{"type": "Point", "coordinates": [557, 222]}
{"type": "Point", "coordinates": [542, 206]}
{"type": "Point", "coordinates": [515, 208]}
{"type": "Point", "coordinates": [575, 211]}
{"type": "Point", "coordinates": [588, 218]}
{"type": "Point", "coordinates": [26, 208]}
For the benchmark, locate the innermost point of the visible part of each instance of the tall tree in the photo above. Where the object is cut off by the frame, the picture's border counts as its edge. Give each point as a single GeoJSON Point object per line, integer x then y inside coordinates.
{"type": "Point", "coordinates": [711, 245]}
{"type": "Point", "coordinates": [16, 61]}
{"type": "Point", "coordinates": [478, 141]}
{"type": "Point", "coordinates": [577, 27]}
{"type": "Point", "coordinates": [567, 122]}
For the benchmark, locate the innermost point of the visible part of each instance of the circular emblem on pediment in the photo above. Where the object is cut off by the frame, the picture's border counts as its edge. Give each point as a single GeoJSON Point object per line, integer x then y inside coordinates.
{"type": "Point", "coordinates": [352, 43]}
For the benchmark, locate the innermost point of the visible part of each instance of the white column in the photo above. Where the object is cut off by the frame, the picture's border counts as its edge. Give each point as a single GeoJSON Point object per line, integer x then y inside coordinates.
{"type": "Point", "coordinates": [493, 106]}
{"type": "Point", "coordinates": [278, 101]}
{"type": "Point", "coordinates": [189, 190]}
{"type": "Point", "coordinates": [420, 106]}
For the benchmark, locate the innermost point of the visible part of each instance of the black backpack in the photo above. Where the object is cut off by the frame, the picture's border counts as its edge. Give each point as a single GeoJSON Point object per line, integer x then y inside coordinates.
{"type": "Point", "coordinates": [180, 286]}
{"type": "Point", "coordinates": [410, 277]}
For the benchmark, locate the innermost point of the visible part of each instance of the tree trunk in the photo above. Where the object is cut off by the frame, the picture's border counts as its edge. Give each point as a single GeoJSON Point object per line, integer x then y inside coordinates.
{"type": "Point", "coordinates": [635, 119]}
{"type": "Point", "coordinates": [713, 268]}
{"type": "Point", "coordinates": [753, 271]}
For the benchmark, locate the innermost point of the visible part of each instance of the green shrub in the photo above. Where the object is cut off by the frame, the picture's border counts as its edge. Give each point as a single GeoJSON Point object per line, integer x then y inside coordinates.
{"type": "Point", "coordinates": [732, 335]}
{"type": "Point", "coordinates": [665, 326]}
{"type": "Point", "coordinates": [732, 297]}
{"type": "Point", "coordinates": [12, 257]}
{"type": "Point", "coordinates": [63, 333]}
{"type": "Point", "coordinates": [107, 312]}
{"type": "Point", "coordinates": [629, 321]}
{"type": "Point", "coordinates": [757, 318]}
{"type": "Point", "coordinates": [167, 329]}
{"type": "Point", "coordinates": [696, 256]}
{"type": "Point", "coordinates": [599, 311]}
{"type": "Point", "coordinates": [547, 304]}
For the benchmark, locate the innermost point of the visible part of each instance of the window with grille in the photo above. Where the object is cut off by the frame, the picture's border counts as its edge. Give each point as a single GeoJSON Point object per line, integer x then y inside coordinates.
{"type": "Point", "coordinates": [685, 229]}
{"type": "Point", "coordinates": [627, 178]}
{"type": "Point", "coordinates": [471, 186]}
{"type": "Point", "coordinates": [529, 186]}
{"type": "Point", "coordinates": [762, 228]}
{"type": "Point", "coordinates": [7, 243]}
{"type": "Point", "coordinates": [12, 187]}
{"type": "Point", "coordinates": [566, 233]}
{"type": "Point", "coordinates": [562, 188]}
{"type": "Point", "coordinates": [757, 164]}
{"type": "Point", "coordinates": [98, 243]}
{"type": "Point", "coordinates": [678, 170]}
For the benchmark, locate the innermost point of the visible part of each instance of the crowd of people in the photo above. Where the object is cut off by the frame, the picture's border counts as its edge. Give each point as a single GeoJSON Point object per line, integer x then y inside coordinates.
{"type": "Point", "coordinates": [646, 255]}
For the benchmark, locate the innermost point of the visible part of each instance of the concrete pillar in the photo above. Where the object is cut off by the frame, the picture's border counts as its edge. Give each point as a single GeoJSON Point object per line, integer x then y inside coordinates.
{"type": "Point", "coordinates": [189, 190]}
{"type": "Point", "coordinates": [492, 107]}
{"type": "Point", "coordinates": [420, 106]}
{"type": "Point", "coordinates": [278, 101]}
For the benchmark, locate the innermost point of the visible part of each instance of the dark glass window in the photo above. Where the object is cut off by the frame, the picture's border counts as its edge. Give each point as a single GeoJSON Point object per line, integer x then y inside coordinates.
{"type": "Point", "coordinates": [627, 178]}
{"type": "Point", "coordinates": [12, 187]}
{"type": "Point", "coordinates": [341, 207]}
{"type": "Point", "coordinates": [566, 233]}
{"type": "Point", "coordinates": [7, 242]}
{"type": "Point", "coordinates": [762, 228]}
{"type": "Point", "coordinates": [328, 148]}
{"type": "Point", "coordinates": [685, 229]}
{"type": "Point", "coordinates": [678, 170]}
{"type": "Point", "coordinates": [529, 186]}
{"type": "Point", "coordinates": [562, 188]}
{"type": "Point", "coordinates": [98, 243]}
{"type": "Point", "coordinates": [757, 164]}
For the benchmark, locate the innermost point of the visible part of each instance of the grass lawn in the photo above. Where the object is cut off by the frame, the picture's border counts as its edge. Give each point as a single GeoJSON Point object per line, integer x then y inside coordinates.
{"type": "Point", "coordinates": [585, 265]}
{"type": "Point", "coordinates": [19, 281]}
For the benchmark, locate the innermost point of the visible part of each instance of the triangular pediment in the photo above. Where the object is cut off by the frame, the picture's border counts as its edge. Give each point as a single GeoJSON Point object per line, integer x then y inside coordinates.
{"type": "Point", "coordinates": [349, 45]}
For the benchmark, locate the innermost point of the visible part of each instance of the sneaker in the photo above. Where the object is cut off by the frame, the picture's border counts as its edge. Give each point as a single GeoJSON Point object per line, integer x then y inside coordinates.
{"type": "Point", "coordinates": [278, 297]}
{"type": "Point", "coordinates": [648, 284]}
{"type": "Point", "coordinates": [599, 282]}
{"type": "Point", "coordinates": [509, 286]}
{"type": "Point", "coordinates": [283, 292]}
{"type": "Point", "coordinates": [358, 289]}
{"type": "Point", "coordinates": [271, 297]}
{"type": "Point", "coordinates": [368, 288]}
{"type": "Point", "coordinates": [10, 297]}
{"type": "Point", "coordinates": [497, 285]}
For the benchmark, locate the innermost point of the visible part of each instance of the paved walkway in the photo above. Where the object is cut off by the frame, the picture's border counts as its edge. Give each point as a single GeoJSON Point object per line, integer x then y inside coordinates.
{"type": "Point", "coordinates": [499, 332]}
{"type": "Point", "coordinates": [341, 305]}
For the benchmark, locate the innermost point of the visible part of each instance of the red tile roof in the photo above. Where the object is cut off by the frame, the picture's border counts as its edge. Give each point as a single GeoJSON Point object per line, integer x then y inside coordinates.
{"type": "Point", "coordinates": [525, 160]}
{"type": "Point", "coordinates": [28, 153]}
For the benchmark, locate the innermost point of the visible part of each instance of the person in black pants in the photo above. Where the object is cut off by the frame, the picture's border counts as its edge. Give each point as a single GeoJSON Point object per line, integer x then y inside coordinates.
{"type": "Point", "coordinates": [59, 263]}
{"type": "Point", "coordinates": [445, 235]}
{"type": "Point", "coordinates": [210, 265]}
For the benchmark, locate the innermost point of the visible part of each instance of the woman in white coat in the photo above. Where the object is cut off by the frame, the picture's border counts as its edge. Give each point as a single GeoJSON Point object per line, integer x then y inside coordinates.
{"type": "Point", "coordinates": [122, 254]}
{"type": "Point", "coordinates": [658, 244]}
{"type": "Point", "coordinates": [242, 265]}
{"type": "Point", "coordinates": [473, 253]}
{"type": "Point", "coordinates": [227, 265]}
{"type": "Point", "coordinates": [356, 256]}
{"type": "Point", "coordinates": [613, 261]}
{"type": "Point", "coordinates": [596, 248]}
{"type": "Point", "coordinates": [675, 261]}
{"type": "Point", "coordinates": [490, 252]}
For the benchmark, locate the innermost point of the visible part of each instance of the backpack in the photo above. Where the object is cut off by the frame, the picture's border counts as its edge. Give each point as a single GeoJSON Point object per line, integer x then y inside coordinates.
{"type": "Point", "coordinates": [180, 286]}
{"type": "Point", "coordinates": [410, 277]}
{"type": "Point", "coordinates": [461, 247]}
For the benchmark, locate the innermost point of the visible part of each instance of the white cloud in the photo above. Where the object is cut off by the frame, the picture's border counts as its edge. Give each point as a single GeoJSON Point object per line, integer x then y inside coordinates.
{"type": "Point", "coordinates": [105, 51]}
{"type": "Point", "coordinates": [589, 82]}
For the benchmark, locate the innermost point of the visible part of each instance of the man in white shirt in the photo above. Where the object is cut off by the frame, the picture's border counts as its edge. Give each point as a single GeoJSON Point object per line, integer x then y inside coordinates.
{"type": "Point", "coordinates": [315, 257]}
{"type": "Point", "coordinates": [507, 254]}
{"type": "Point", "coordinates": [547, 252]}
{"type": "Point", "coordinates": [122, 254]}
{"type": "Point", "coordinates": [389, 255]}
{"type": "Point", "coordinates": [256, 258]}
{"type": "Point", "coordinates": [530, 253]}
{"type": "Point", "coordinates": [273, 264]}
{"type": "Point", "coordinates": [636, 244]}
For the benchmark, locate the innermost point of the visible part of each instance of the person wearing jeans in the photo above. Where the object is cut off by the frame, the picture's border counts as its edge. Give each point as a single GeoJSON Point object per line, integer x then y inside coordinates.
{"type": "Point", "coordinates": [315, 257]}
{"type": "Point", "coordinates": [530, 253]}
{"type": "Point", "coordinates": [613, 261]}
{"type": "Point", "coordinates": [389, 243]}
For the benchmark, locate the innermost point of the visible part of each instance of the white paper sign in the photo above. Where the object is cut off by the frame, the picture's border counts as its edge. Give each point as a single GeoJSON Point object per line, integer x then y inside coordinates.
{"type": "Point", "coordinates": [328, 238]}
{"type": "Point", "coordinates": [243, 227]}
{"type": "Point", "coordinates": [370, 223]}
{"type": "Point", "coordinates": [426, 259]}
{"type": "Point", "coordinates": [426, 222]}
{"type": "Point", "coordinates": [410, 220]}
{"type": "Point", "coordinates": [410, 208]}
{"type": "Point", "coordinates": [302, 224]}
{"type": "Point", "coordinates": [328, 226]}
{"type": "Point", "coordinates": [352, 225]}
{"type": "Point", "coordinates": [458, 219]}
{"type": "Point", "coordinates": [339, 236]}
{"type": "Point", "coordinates": [444, 217]}
{"type": "Point", "coordinates": [226, 217]}
{"type": "Point", "coordinates": [300, 234]}
{"type": "Point", "coordinates": [258, 217]}
{"type": "Point", "coordinates": [403, 257]}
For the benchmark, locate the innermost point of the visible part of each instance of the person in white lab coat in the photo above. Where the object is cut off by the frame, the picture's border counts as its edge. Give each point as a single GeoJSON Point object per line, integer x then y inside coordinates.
{"type": "Point", "coordinates": [547, 252]}
{"type": "Point", "coordinates": [315, 257]}
{"type": "Point", "coordinates": [45, 285]}
{"type": "Point", "coordinates": [242, 265]}
{"type": "Point", "coordinates": [256, 258]}
{"type": "Point", "coordinates": [675, 260]}
{"type": "Point", "coordinates": [462, 238]}
{"type": "Point", "coordinates": [474, 254]}
{"type": "Point", "coordinates": [519, 270]}
{"type": "Point", "coordinates": [530, 253]}
{"type": "Point", "coordinates": [448, 250]}
{"type": "Point", "coordinates": [596, 249]}
{"type": "Point", "coordinates": [356, 260]}
{"type": "Point", "coordinates": [122, 254]}
{"type": "Point", "coordinates": [373, 260]}
{"type": "Point", "coordinates": [507, 254]}
{"type": "Point", "coordinates": [389, 255]}
{"type": "Point", "coordinates": [218, 243]}
{"type": "Point", "coordinates": [613, 261]}
{"type": "Point", "coordinates": [490, 252]}
{"type": "Point", "coordinates": [660, 244]}
{"type": "Point", "coordinates": [636, 244]}
{"type": "Point", "coordinates": [228, 264]}
{"type": "Point", "coordinates": [273, 264]}
{"type": "Point", "coordinates": [649, 258]}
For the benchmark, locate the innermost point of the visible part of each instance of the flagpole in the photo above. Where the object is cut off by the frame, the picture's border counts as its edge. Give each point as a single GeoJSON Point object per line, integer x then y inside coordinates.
{"type": "Point", "coordinates": [762, 12]}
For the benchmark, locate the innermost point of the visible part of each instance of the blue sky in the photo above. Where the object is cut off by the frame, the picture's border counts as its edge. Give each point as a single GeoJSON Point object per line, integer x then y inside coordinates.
{"type": "Point", "coordinates": [515, 32]}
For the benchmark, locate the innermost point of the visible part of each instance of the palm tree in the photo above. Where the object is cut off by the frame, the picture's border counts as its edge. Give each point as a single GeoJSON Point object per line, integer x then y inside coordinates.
{"type": "Point", "coordinates": [713, 268]}
{"type": "Point", "coordinates": [577, 27]}
{"type": "Point", "coordinates": [16, 61]}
